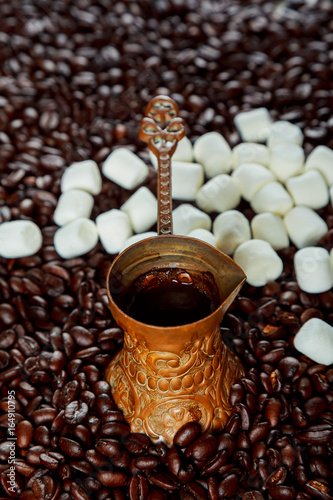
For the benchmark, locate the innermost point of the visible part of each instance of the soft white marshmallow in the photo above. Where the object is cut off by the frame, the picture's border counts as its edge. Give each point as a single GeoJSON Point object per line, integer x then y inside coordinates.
{"type": "Point", "coordinates": [186, 179]}
{"type": "Point", "coordinates": [136, 238]}
{"type": "Point", "coordinates": [141, 209]}
{"type": "Point", "coordinates": [250, 178]}
{"type": "Point", "coordinates": [272, 197]}
{"type": "Point", "coordinates": [309, 189]}
{"type": "Point", "coordinates": [214, 153]}
{"type": "Point", "coordinates": [321, 158]}
{"type": "Point", "coordinates": [283, 131]}
{"type": "Point", "coordinates": [259, 262]}
{"type": "Point", "coordinates": [76, 238]}
{"type": "Point", "coordinates": [71, 205]}
{"type": "Point", "coordinates": [269, 227]}
{"type": "Point", "coordinates": [125, 168]}
{"type": "Point", "coordinates": [315, 340]}
{"type": "Point", "coordinates": [19, 238]}
{"type": "Point", "coordinates": [313, 269]}
{"type": "Point", "coordinates": [250, 152]}
{"type": "Point", "coordinates": [304, 226]}
{"type": "Point", "coordinates": [231, 229]}
{"type": "Point", "coordinates": [186, 218]}
{"type": "Point", "coordinates": [219, 194]}
{"type": "Point", "coordinates": [184, 152]}
{"type": "Point", "coordinates": [253, 126]}
{"type": "Point", "coordinates": [114, 229]}
{"type": "Point", "coordinates": [286, 160]}
{"type": "Point", "coordinates": [83, 175]}
{"type": "Point", "coordinates": [203, 235]}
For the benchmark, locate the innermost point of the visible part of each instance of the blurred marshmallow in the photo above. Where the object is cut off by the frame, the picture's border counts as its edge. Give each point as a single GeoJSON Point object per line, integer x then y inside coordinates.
{"type": "Point", "coordinates": [253, 126]}
{"type": "Point", "coordinates": [186, 218]}
{"type": "Point", "coordinates": [184, 152]}
{"type": "Point", "coordinates": [315, 340]}
{"type": "Point", "coordinates": [141, 209]}
{"type": "Point", "coordinates": [259, 262]}
{"type": "Point", "coordinates": [321, 158]}
{"type": "Point", "coordinates": [309, 189]}
{"type": "Point", "coordinates": [125, 168]}
{"type": "Point", "coordinates": [219, 194]}
{"type": "Point", "coordinates": [71, 205]}
{"type": "Point", "coordinates": [114, 229]}
{"type": "Point", "coordinates": [304, 226]}
{"type": "Point", "coordinates": [269, 227]}
{"type": "Point", "coordinates": [250, 152]}
{"type": "Point", "coordinates": [231, 229]}
{"type": "Point", "coordinates": [250, 178]}
{"type": "Point", "coordinates": [76, 238]}
{"type": "Point", "coordinates": [186, 179]}
{"type": "Point", "coordinates": [286, 160]}
{"type": "Point", "coordinates": [214, 153]}
{"type": "Point", "coordinates": [83, 175]}
{"type": "Point", "coordinates": [19, 238]}
{"type": "Point", "coordinates": [283, 131]}
{"type": "Point", "coordinates": [203, 235]}
{"type": "Point", "coordinates": [136, 238]}
{"type": "Point", "coordinates": [313, 269]}
{"type": "Point", "coordinates": [272, 197]}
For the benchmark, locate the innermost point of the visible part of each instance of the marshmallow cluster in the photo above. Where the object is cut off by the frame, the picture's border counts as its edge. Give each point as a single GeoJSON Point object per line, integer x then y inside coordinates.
{"type": "Point", "coordinates": [78, 234]}
{"type": "Point", "coordinates": [283, 189]}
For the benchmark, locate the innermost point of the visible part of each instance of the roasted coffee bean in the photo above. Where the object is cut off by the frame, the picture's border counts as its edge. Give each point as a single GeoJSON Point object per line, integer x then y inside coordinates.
{"type": "Point", "coordinates": [24, 433]}
{"type": "Point", "coordinates": [71, 448]}
{"type": "Point", "coordinates": [202, 448]}
{"type": "Point", "coordinates": [228, 486]}
{"type": "Point", "coordinates": [138, 488]}
{"type": "Point", "coordinates": [281, 492]}
{"type": "Point", "coordinates": [187, 434]}
{"type": "Point", "coordinates": [272, 411]}
{"type": "Point", "coordinates": [76, 412]}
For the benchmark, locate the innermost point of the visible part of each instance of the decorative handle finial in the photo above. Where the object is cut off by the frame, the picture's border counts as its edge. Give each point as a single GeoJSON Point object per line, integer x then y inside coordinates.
{"type": "Point", "coordinates": [161, 128]}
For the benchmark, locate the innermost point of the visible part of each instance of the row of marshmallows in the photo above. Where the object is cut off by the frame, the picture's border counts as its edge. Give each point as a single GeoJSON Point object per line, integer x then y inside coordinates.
{"type": "Point", "coordinates": [282, 189]}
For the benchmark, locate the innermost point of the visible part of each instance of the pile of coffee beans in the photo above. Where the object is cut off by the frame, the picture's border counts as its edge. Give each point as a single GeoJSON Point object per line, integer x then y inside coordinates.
{"type": "Point", "coordinates": [75, 76]}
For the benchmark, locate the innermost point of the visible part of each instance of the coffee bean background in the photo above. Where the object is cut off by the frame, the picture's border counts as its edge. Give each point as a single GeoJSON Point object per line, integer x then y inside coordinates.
{"type": "Point", "coordinates": [75, 79]}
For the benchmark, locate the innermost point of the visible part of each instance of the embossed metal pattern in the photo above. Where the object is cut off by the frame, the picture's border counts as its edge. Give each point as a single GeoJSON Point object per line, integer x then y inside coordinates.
{"type": "Point", "coordinates": [162, 129]}
{"type": "Point", "coordinates": [167, 376]}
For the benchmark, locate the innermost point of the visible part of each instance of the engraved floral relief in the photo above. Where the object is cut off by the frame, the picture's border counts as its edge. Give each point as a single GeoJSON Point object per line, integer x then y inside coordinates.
{"type": "Point", "coordinates": [160, 391]}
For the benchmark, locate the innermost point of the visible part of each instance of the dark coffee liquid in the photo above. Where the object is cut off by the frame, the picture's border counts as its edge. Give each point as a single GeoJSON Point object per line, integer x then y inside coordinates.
{"type": "Point", "coordinates": [171, 297]}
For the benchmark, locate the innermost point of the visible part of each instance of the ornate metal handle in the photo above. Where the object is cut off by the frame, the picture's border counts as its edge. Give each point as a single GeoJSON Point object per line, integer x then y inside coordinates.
{"type": "Point", "coordinates": [162, 129]}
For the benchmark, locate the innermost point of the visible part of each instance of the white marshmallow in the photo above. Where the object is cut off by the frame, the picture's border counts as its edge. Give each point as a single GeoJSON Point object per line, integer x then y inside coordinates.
{"type": "Point", "coordinates": [309, 189]}
{"type": "Point", "coordinates": [141, 209]}
{"type": "Point", "coordinates": [219, 194]}
{"type": "Point", "coordinates": [259, 262]}
{"type": "Point", "coordinates": [75, 238]}
{"type": "Point", "coordinates": [186, 218]}
{"type": "Point", "coordinates": [83, 175]}
{"type": "Point", "coordinates": [250, 152]}
{"type": "Point", "coordinates": [283, 131]}
{"type": "Point", "coordinates": [286, 160]}
{"type": "Point", "coordinates": [71, 205]}
{"type": "Point", "coordinates": [272, 197]}
{"type": "Point", "coordinates": [186, 179]}
{"type": "Point", "coordinates": [125, 168]}
{"type": "Point", "coordinates": [203, 235]}
{"type": "Point", "coordinates": [250, 178]}
{"type": "Point", "coordinates": [269, 227]}
{"type": "Point", "coordinates": [114, 229]}
{"type": "Point", "coordinates": [313, 269]}
{"type": "Point", "coordinates": [253, 126]}
{"type": "Point", "coordinates": [214, 153]}
{"type": "Point", "coordinates": [231, 229]}
{"type": "Point", "coordinates": [184, 152]}
{"type": "Point", "coordinates": [19, 238]}
{"type": "Point", "coordinates": [315, 340]}
{"type": "Point", "coordinates": [137, 237]}
{"type": "Point", "coordinates": [321, 158]}
{"type": "Point", "coordinates": [304, 226]}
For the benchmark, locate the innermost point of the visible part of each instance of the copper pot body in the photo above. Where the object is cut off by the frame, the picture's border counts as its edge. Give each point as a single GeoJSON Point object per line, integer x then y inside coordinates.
{"type": "Point", "coordinates": [165, 377]}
